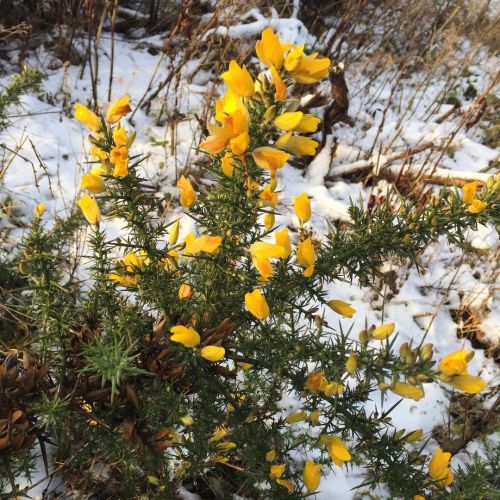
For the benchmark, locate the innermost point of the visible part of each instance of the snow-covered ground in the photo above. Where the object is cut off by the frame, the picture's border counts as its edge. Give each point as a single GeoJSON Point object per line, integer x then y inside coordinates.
{"type": "Point", "coordinates": [43, 128]}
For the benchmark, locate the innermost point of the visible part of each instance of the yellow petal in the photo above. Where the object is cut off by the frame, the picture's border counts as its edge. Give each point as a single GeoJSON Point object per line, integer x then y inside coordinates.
{"type": "Point", "coordinates": [301, 146]}
{"type": "Point", "coordinates": [119, 136]}
{"type": "Point", "coordinates": [409, 391]}
{"type": "Point", "coordinates": [299, 416]}
{"type": "Point", "coordinates": [118, 108]}
{"type": "Point", "coordinates": [213, 352]}
{"type": "Point", "coordinates": [257, 305]}
{"type": "Point", "coordinates": [439, 467]}
{"type": "Point", "coordinates": [187, 336]}
{"type": "Point", "coordinates": [265, 250]}
{"type": "Point", "coordinates": [93, 183]}
{"type": "Point", "coordinates": [227, 165]}
{"type": "Point", "coordinates": [305, 254]}
{"type": "Point", "coordinates": [468, 383]}
{"type": "Point", "coordinates": [270, 455]}
{"type": "Point", "coordinates": [477, 206]}
{"type": "Point", "coordinates": [282, 239]}
{"type": "Point", "coordinates": [173, 234]}
{"type": "Point", "coordinates": [308, 124]}
{"type": "Point", "coordinates": [239, 80]}
{"type": "Point", "coordinates": [302, 207]}
{"type": "Point", "coordinates": [469, 191]}
{"type": "Point", "coordinates": [343, 308]}
{"type": "Point", "coordinates": [383, 331]}
{"type": "Point", "coordinates": [214, 144]}
{"type": "Point", "coordinates": [187, 193]}
{"type": "Point", "coordinates": [338, 451]}
{"type": "Point", "coordinates": [415, 435]}
{"type": "Point", "coordinates": [276, 471]}
{"type": "Point", "coordinates": [312, 476]}
{"type": "Point", "coordinates": [269, 158]}
{"type": "Point", "coordinates": [87, 117]}
{"type": "Point", "coordinates": [269, 50]}
{"type": "Point", "coordinates": [454, 363]}
{"type": "Point", "coordinates": [264, 267]}
{"type": "Point", "coordinates": [289, 120]}
{"type": "Point", "coordinates": [90, 209]}
{"type": "Point", "coordinates": [351, 364]}
{"type": "Point", "coordinates": [240, 143]}
{"type": "Point", "coordinates": [279, 85]}
{"type": "Point", "coordinates": [286, 483]}
{"type": "Point", "coordinates": [203, 244]}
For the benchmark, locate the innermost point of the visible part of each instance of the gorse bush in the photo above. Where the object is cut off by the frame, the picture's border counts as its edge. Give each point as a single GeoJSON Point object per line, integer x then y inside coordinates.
{"type": "Point", "coordinates": [174, 362]}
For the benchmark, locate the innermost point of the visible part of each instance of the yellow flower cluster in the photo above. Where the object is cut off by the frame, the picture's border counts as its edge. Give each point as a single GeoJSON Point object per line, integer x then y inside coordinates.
{"type": "Point", "coordinates": [190, 338]}
{"type": "Point", "coordinates": [110, 149]}
{"type": "Point", "coordinates": [316, 383]}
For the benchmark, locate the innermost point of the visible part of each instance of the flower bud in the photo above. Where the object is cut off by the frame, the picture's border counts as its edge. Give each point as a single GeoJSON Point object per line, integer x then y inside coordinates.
{"type": "Point", "coordinates": [269, 220]}
{"type": "Point", "coordinates": [269, 114]}
{"type": "Point", "coordinates": [426, 352]}
{"type": "Point", "coordinates": [403, 350]}
{"type": "Point", "coordinates": [410, 357]}
{"type": "Point", "coordinates": [174, 233]}
{"type": "Point", "coordinates": [490, 181]}
{"type": "Point", "coordinates": [383, 386]}
{"type": "Point", "coordinates": [363, 337]}
{"type": "Point", "coordinates": [496, 186]}
{"type": "Point", "coordinates": [351, 364]}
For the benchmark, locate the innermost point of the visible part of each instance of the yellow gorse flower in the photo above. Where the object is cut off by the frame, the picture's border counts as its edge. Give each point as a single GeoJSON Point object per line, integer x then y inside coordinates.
{"type": "Point", "coordinates": [40, 209]}
{"type": "Point", "coordinates": [439, 469]}
{"type": "Point", "coordinates": [469, 191]}
{"type": "Point", "coordinates": [312, 476]}
{"type": "Point", "coordinates": [87, 117]}
{"type": "Point", "coordinates": [302, 207]}
{"type": "Point", "coordinates": [337, 450]}
{"type": "Point", "coordinates": [306, 256]}
{"type": "Point", "coordinates": [118, 109]}
{"type": "Point", "coordinates": [227, 165]}
{"type": "Point", "coordinates": [185, 291]}
{"type": "Point", "coordinates": [455, 363]}
{"type": "Point", "coordinates": [257, 305]}
{"type": "Point", "coordinates": [476, 206]}
{"type": "Point", "coordinates": [408, 391]}
{"type": "Point", "coordinates": [187, 193]}
{"type": "Point", "coordinates": [90, 209]}
{"type": "Point", "coordinates": [351, 364]}
{"type": "Point", "coordinates": [202, 244]}
{"type": "Point", "coordinates": [308, 69]}
{"type": "Point", "coordinates": [383, 331]}
{"type": "Point", "coordinates": [119, 136]}
{"type": "Point", "coordinates": [270, 158]}
{"type": "Point", "coordinates": [453, 368]}
{"type": "Point", "coordinates": [282, 239]}
{"type": "Point", "coordinates": [185, 335]}
{"type": "Point", "coordinates": [93, 181]}
{"type": "Point", "coordinates": [269, 49]}
{"type": "Point", "coordinates": [343, 308]}
{"type": "Point", "coordinates": [298, 145]}
{"type": "Point", "coordinates": [238, 80]}
{"type": "Point", "coordinates": [288, 120]}
{"type": "Point", "coordinates": [212, 353]}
